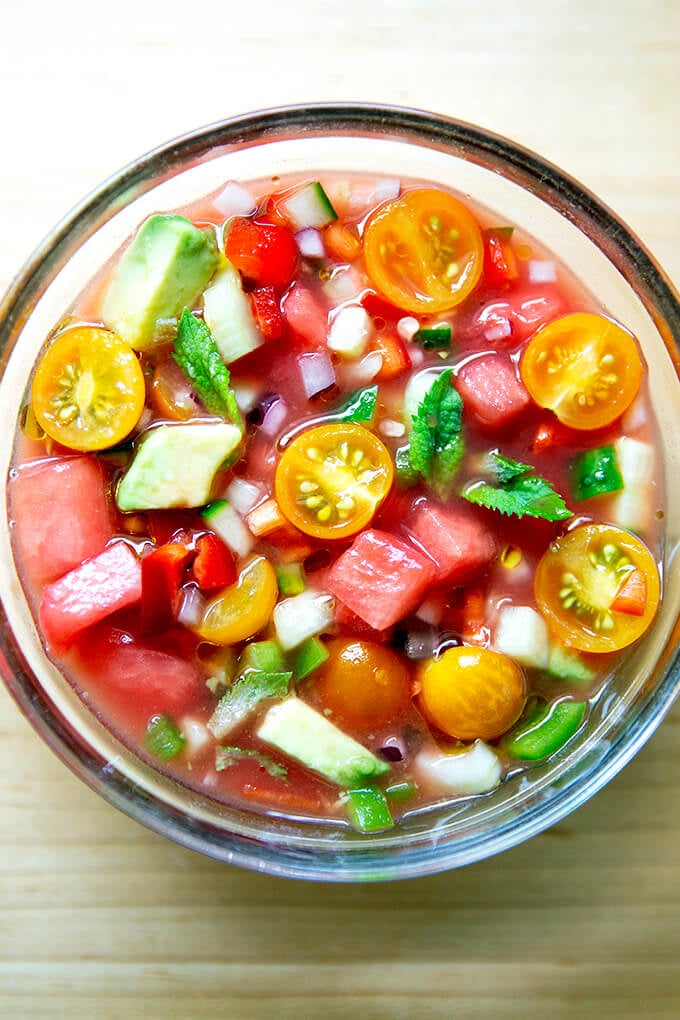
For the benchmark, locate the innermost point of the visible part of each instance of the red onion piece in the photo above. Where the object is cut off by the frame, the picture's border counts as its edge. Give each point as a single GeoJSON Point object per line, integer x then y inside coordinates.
{"type": "Point", "coordinates": [234, 200]}
{"type": "Point", "coordinates": [193, 607]}
{"type": "Point", "coordinates": [317, 373]}
{"type": "Point", "coordinates": [274, 418]}
{"type": "Point", "coordinates": [310, 243]}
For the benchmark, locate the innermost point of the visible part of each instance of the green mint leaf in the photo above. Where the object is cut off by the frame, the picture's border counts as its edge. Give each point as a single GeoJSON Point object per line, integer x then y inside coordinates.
{"type": "Point", "coordinates": [225, 757]}
{"type": "Point", "coordinates": [197, 355]}
{"type": "Point", "coordinates": [518, 492]}
{"type": "Point", "coordinates": [436, 445]}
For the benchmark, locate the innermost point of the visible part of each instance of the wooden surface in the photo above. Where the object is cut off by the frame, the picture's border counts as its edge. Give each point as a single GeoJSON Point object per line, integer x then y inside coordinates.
{"type": "Point", "coordinates": [98, 917]}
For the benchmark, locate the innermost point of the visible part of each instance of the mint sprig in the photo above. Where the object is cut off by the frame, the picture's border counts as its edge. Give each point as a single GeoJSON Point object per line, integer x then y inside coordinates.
{"type": "Point", "coordinates": [517, 490]}
{"type": "Point", "coordinates": [197, 355]}
{"type": "Point", "coordinates": [436, 446]}
{"type": "Point", "coordinates": [225, 757]}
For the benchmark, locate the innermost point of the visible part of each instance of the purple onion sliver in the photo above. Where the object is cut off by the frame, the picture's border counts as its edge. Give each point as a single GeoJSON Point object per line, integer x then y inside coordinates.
{"type": "Point", "coordinates": [310, 243]}
{"type": "Point", "coordinates": [274, 417]}
{"type": "Point", "coordinates": [317, 373]}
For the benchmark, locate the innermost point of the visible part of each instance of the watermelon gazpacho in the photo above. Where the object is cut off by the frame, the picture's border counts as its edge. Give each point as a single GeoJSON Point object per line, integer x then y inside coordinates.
{"type": "Point", "coordinates": [338, 499]}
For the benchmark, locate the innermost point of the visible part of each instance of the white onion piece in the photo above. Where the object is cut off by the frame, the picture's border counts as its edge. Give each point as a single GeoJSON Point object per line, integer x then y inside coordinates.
{"type": "Point", "coordinates": [243, 495]}
{"type": "Point", "coordinates": [193, 607]}
{"type": "Point", "coordinates": [274, 418]}
{"type": "Point", "coordinates": [302, 616]}
{"type": "Point", "coordinates": [310, 243]}
{"type": "Point", "coordinates": [391, 428]}
{"type": "Point", "coordinates": [500, 330]}
{"type": "Point", "coordinates": [542, 271]}
{"type": "Point", "coordinates": [344, 285]}
{"type": "Point", "coordinates": [387, 188]}
{"type": "Point", "coordinates": [351, 329]}
{"type": "Point", "coordinates": [354, 374]}
{"type": "Point", "coordinates": [431, 611]}
{"type": "Point", "coordinates": [474, 770]}
{"type": "Point", "coordinates": [234, 200]}
{"type": "Point", "coordinates": [317, 372]}
{"type": "Point", "coordinates": [522, 634]}
{"type": "Point", "coordinates": [408, 327]}
{"type": "Point", "coordinates": [196, 735]}
{"type": "Point", "coordinates": [247, 395]}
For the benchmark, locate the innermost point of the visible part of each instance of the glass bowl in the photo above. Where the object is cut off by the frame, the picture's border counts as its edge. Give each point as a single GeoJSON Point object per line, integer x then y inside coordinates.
{"type": "Point", "coordinates": [521, 188]}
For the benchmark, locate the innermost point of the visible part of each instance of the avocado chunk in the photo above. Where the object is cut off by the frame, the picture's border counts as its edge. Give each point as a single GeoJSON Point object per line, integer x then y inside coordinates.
{"type": "Point", "coordinates": [175, 466]}
{"type": "Point", "coordinates": [165, 269]}
{"type": "Point", "coordinates": [304, 734]}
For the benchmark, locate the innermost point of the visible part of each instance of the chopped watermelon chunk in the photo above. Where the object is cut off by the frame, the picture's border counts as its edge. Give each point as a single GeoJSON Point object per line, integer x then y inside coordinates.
{"type": "Point", "coordinates": [380, 578]}
{"type": "Point", "coordinates": [305, 316]}
{"type": "Point", "coordinates": [491, 390]}
{"type": "Point", "coordinates": [514, 318]}
{"type": "Point", "coordinates": [458, 544]}
{"type": "Point", "coordinates": [89, 593]}
{"type": "Point", "coordinates": [61, 515]}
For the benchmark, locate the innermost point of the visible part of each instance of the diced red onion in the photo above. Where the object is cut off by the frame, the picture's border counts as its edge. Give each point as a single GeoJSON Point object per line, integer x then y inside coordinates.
{"type": "Point", "coordinates": [243, 495]}
{"type": "Point", "coordinates": [391, 428]}
{"type": "Point", "coordinates": [310, 243]}
{"type": "Point", "coordinates": [499, 330]}
{"type": "Point", "coordinates": [317, 373]}
{"type": "Point", "coordinates": [392, 749]}
{"type": "Point", "coordinates": [193, 607]}
{"type": "Point", "coordinates": [421, 644]}
{"type": "Point", "coordinates": [274, 418]}
{"type": "Point", "coordinates": [234, 200]}
{"type": "Point", "coordinates": [542, 271]}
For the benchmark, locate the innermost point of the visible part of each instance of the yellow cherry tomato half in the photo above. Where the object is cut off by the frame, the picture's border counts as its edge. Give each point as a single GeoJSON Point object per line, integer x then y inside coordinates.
{"type": "Point", "coordinates": [585, 368]}
{"type": "Point", "coordinates": [362, 684]}
{"type": "Point", "coordinates": [598, 588]}
{"type": "Point", "coordinates": [88, 389]}
{"type": "Point", "coordinates": [424, 251]}
{"type": "Point", "coordinates": [242, 609]}
{"type": "Point", "coordinates": [332, 478]}
{"type": "Point", "coordinates": [471, 693]}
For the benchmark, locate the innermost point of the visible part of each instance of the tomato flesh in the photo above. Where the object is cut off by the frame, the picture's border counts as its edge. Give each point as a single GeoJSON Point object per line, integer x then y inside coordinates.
{"type": "Point", "coordinates": [263, 252]}
{"type": "Point", "coordinates": [583, 367]}
{"type": "Point", "coordinates": [362, 684]}
{"type": "Point", "coordinates": [424, 251]}
{"type": "Point", "coordinates": [331, 479]}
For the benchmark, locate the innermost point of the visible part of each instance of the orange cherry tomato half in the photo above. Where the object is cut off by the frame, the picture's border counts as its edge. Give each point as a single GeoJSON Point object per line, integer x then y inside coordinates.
{"type": "Point", "coordinates": [242, 609]}
{"type": "Point", "coordinates": [581, 585]}
{"type": "Point", "coordinates": [424, 251]}
{"type": "Point", "coordinates": [585, 368]}
{"type": "Point", "coordinates": [471, 693]}
{"type": "Point", "coordinates": [88, 389]}
{"type": "Point", "coordinates": [362, 684]}
{"type": "Point", "coordinates": [332, 478]}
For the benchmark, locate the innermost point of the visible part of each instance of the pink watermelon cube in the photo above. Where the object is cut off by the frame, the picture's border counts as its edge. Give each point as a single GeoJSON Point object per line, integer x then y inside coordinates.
{"type": "Point", "coordinates": [306, 316]}
{"type": "Point", "coordinates": [380, 578]}
{"type": "Point", "coordinates": [89, 593]}
{"type": "Point", "coordinates": [61, 514]}
{"type": "Point", "coordinates": [492, 390]}
{"type": "Point", "coordinates": [458, 544]}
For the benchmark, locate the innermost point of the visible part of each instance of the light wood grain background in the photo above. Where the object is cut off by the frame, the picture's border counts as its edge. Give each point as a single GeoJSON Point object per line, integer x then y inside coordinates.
{"type": "Point", "coordinates": [98, 917]}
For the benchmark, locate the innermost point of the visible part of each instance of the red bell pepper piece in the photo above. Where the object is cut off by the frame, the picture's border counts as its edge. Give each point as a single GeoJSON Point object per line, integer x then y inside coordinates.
{"type": "Point", "coordinates": [379, 307]}
{"type": "Point", "coordinates": [214, 566]}
{"type": "Point", "coordinates": [500, 263]}
{"type": "Point", "coordinates": [263, 252]}
{"type": "Point", "coordinates": [267, 312]}
{"type": "Point", "coordinates": [631, 597]}
{"type": "Point", "coordinates": [395, 357]}
{"type": "Point", "coordinates": [162, 572]}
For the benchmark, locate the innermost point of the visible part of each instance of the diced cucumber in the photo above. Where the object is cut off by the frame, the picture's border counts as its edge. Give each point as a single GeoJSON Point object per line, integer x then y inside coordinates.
{"type": "Point", "coordinates": [350, 331]}
{"type": "Point", "coordinates": [368, 809]}
{"type": "Point", "coordinates": [265, 656]}
{"type": "Point", "coordinates": [241, 699]}
{"type": "Point", "coordinates": [311, 654]}
{"type": "Point", "coordinates": [290, 578]}
{"type": "Point", "coordinates": [568, 666]}
{"type": "Point", "coordinates": [434, 338]}
{"type": "Point", "coordinates": [221, 518]}
{"type": "Point", "coordinates": [228, 314]}
{"type": "Point", "coordinates": [308, 207]}
{"type": "Point", "coordinates": [174, 466]}
{"type": "Point", "coordinates": [307, 736]}
{"type": "Point", "coordinates": [522, 634]}
{"type": "Point", "coordinates": [302, 617]}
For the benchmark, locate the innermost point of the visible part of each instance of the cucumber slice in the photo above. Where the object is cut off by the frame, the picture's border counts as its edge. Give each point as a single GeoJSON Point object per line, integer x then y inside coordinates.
{"type": "Point", "coordinates": [228, 315]}
{"type": "Point", "coordinates": [309, 207]}
{"type": "Point", "coordinates": [221, 518]}
{"type": "Point", "coordinates": [308, 737]}
{"type": "Point", "coordinates": [302, 617]}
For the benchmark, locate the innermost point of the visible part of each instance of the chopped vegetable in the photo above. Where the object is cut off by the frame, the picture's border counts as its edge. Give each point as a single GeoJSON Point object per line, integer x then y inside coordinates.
{"type": "Point", "coordinates": [214, 565]}
{"type": "Point", "coordinates": [595, 473]}
{"type": "Point", "coordinates": [162, 572]}
{"type": "Point", "coordinates": [290, 578]}
{"type": "Point", "coordinates": [262, 656]}
{"type": "Point", "coordinates": [470, 770]}
{"type": "Point", "coordinates": [522, 634]}
{"type": "Point", "coordinates": [434, 338]}
{"type": "Point", "coordinates": [517, 490]}
{"type": "Point", "coordinates": [301, 617]}
{"type": "Point", "coordinates": [308, 657]}
{"type": "Point", "coordinates": [242, 609]}
{"type": "Point", "coordinates": [308, 207]}
{"type": "Point", "coordinates": [262, 252]}
{"type": "Point", "coordinates": [221, 518]}
{"type": "Point", "coordinates": [163, 737]}
{"type": "Point", "coordinates": [548, 728]}
{"type": "Point", "coordinates": [368, 809]}
{"type": "Point", "coordinates": [358, 407]}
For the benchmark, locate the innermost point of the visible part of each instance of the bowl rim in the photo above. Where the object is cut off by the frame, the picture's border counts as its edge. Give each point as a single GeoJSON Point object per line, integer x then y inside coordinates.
{"type": "Point", "coordinates": [477, 145]}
